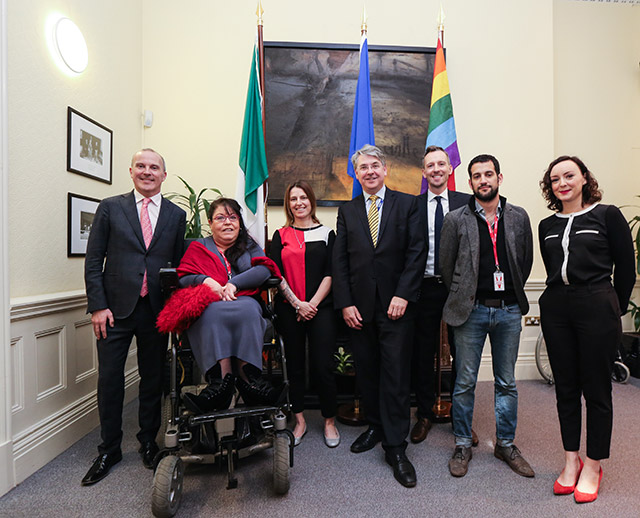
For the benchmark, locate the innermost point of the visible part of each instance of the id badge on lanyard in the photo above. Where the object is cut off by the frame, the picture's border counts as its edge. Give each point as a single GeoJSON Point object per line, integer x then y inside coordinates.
{"type": "Point", "coordinates": [498, 275]}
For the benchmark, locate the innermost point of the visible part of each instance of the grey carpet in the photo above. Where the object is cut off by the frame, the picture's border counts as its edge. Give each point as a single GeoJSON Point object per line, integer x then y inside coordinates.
{"type": "Point", "coordinates": [327, 483]}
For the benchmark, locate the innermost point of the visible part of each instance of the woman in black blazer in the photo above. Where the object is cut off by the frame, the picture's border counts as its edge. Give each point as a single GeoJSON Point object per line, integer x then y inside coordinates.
{"type": "Point", "coordinates": [581, 245]}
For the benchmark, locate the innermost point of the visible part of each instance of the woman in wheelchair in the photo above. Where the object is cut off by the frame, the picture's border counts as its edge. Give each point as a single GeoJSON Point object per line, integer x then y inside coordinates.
{"type": "Point", "coordinates": [222, 274]}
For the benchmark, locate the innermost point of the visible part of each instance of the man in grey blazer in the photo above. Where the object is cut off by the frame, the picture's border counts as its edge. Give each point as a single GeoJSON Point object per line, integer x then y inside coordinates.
{"type": "Point", "coordinates": [133, 235]}
{"type": "Point", "coordinates": [433, 205]}
{"type": "Point", "coordinates": [486, 253]}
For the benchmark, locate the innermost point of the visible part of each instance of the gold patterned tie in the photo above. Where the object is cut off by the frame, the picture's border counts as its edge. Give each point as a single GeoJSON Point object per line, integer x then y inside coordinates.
{"type": "Point", "coordinates": [373, 219]}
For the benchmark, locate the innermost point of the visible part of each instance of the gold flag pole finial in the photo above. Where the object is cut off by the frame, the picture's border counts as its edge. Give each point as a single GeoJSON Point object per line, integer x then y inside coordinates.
{"type": "Point", "coordinates": [259, 12]}
{"type": "Point", "coordinates": [363, 27]}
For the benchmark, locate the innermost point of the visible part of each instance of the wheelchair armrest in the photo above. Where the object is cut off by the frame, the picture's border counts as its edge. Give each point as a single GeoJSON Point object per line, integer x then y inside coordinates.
{"type": "Point", "coordinates": [271, 282]}
{"type": "Point", "coordinates": [168, 281]}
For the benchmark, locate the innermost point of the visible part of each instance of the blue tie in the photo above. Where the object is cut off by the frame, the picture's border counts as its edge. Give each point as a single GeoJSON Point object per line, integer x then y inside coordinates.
{"type": "Point", "coordinates": [439, 220]}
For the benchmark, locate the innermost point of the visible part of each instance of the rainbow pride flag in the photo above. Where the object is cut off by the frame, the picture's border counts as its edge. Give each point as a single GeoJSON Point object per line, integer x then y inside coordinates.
{"type": "Point", "coordinates": [442, 128]}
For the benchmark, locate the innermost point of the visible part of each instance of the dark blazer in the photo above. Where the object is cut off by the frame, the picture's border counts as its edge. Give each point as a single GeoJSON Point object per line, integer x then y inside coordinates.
{"type": "Point", "coordinates": [393, 268]}
{"type": "Point", "coordinates": [456, 200]}
{"type": "Point", "coordinates": [117, 258]}
{"type": "Point", "coordinates": [460, 258]}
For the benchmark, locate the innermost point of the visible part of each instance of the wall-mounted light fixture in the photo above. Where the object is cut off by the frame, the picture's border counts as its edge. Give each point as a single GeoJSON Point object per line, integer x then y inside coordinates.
{"type": "Point", "coordinates": [67, 44]}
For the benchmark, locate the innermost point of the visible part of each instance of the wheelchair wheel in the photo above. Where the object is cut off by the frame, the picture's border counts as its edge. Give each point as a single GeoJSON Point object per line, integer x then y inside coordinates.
{"type": "Point", "coordinates": [620, 372]}
{"type": "Point", "coordinates": [281, 464]}
{"type": "Point", "coordinates": [542, 360]}
{"type": "Point", "coordinates": [167, 487]}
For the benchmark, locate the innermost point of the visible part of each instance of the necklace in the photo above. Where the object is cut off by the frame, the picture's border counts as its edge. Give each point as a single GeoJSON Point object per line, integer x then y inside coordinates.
{"type": "Point", "coordinates": [295, 233]}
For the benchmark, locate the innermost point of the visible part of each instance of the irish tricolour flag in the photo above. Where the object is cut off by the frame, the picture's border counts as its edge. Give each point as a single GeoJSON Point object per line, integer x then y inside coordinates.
{"type": "Point", "coordinates": [252, 171]}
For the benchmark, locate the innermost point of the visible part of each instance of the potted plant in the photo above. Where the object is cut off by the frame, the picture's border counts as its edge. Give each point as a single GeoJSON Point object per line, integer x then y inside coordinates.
{"type": "Point", "coordinates": [194, 204]}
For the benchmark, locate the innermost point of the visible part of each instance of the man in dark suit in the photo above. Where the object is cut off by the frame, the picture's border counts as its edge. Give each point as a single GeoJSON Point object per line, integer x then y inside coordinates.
{"type": "Point", "coordinates": [132, 237]}
{"type": "Point", "coordinates": [378, 262]}
{"type": "Point", "coordinates": [434, 205]}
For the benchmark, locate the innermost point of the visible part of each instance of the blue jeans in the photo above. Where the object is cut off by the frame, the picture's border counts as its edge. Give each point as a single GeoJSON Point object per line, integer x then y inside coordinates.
{"type": "Point", "coordinates": [503, 325]}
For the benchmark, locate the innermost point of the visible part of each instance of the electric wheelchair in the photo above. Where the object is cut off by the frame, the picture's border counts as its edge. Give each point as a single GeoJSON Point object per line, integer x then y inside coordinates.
{"type": "Point", "coordinates": [220, 437]}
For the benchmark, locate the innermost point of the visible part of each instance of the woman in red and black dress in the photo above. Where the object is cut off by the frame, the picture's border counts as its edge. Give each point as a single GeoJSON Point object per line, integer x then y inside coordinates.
{"type": "Point", "coordinates": [302, 249]}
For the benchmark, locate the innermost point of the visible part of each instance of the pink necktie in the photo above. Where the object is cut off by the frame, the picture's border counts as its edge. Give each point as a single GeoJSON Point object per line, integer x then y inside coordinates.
{"type": "Point", "coordinates": [147, 234]}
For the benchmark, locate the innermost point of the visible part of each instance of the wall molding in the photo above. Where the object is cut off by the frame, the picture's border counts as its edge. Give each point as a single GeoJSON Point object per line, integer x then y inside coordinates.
{"type": "Point", "coordinates": [32, 307]}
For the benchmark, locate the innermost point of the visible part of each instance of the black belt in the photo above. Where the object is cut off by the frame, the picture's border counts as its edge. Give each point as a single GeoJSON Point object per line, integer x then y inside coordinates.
{"type": "Point", "coordinates": [491, 303]}
{"type": "Point", "coordinates": [432, 279]}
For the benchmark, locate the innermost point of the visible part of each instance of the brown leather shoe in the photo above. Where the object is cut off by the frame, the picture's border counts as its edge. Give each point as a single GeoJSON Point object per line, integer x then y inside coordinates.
{"type": "Point", "coordinates": [459, 462]}
{"type": "Point", "coordinates": [512, 456]}
{"type": "Point", "coordinates": [420, 430]}
{"type": "Point", "coordinates": [474, 438]}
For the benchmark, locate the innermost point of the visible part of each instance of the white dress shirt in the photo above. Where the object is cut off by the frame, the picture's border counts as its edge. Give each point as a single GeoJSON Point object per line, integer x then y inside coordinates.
{"type": "Point", "coordinates": [431, 218]}
{"type": "Point", "coordinates": [153, 208]}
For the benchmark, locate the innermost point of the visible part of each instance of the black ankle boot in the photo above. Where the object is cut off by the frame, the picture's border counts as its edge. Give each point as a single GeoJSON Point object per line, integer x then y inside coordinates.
{"type": "Point", "coordinates": [216, 396]}
{"type": "Point", "coordinates": [257, 390]}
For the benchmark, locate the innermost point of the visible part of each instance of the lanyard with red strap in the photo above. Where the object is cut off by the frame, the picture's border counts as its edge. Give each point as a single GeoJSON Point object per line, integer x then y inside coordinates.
{"type": "Point", "coordinates": [498, 276]}
{"type": "Point", "coordinates": [226, 264]}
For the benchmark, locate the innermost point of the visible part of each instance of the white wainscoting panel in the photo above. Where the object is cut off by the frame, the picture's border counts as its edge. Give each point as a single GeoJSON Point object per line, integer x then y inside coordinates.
{"type": "Point", "coordinates": [55, 371]}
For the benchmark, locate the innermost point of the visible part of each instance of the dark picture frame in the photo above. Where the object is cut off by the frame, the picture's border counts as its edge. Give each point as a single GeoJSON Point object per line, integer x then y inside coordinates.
{"type": "Point", "coordinates": [89, 147]}
{"type": "Point", "coordinates": [309, 96]}
{"type": "Point", "coordinates": [80, 213]}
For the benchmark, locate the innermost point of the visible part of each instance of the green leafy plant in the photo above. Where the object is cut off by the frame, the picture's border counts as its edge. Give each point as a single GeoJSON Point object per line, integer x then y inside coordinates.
{"type": "Point", "coordinates": [344, 361]}
{"type": "Point", "coordinates": [634, 224]}
{"type": "Point", "coordinates": [195, 205]}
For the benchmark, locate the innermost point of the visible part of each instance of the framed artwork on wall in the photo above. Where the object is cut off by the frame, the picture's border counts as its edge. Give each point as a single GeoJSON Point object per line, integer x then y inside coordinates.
{"type": "Point", "coordinates": [309, 95]}
{"type": "Point", "coordinates": [80, 210]}
{"type": "Point", "coordinates": [89, 147]}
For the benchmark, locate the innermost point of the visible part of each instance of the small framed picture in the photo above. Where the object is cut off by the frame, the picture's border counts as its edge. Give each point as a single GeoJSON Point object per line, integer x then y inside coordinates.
{"type": "Point", "coordinates": [81, 211]}
{"type": "Point", "coordinates": [89, 147]}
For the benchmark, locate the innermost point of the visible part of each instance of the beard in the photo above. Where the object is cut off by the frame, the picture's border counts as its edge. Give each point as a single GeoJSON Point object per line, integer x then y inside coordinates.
{"type": "Point", "coordinates": [488, 196]}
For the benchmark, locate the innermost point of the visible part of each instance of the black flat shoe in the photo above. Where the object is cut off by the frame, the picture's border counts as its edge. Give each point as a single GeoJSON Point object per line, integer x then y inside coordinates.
{"type": "Point", "coordinates": [100, 468]}
{"type": "Point", "coordinates": [403, 470]}
{"type": "Point", "coordinates": [366, 440]}
{"type": "Point", "coordinates": [148, 452]}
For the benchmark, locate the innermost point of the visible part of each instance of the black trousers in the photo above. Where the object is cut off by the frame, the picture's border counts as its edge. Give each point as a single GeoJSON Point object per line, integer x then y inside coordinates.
{"type": "Point", "coordinates": [382, 352]}
{"type": "Point", "coordinates": [321, 332]}
{"type": "Point", "coordinates": [112, 355]}
{"type": "Point", "coordinates": [433, 295]}
{"type": "Point", "coordinates": [582, 330]}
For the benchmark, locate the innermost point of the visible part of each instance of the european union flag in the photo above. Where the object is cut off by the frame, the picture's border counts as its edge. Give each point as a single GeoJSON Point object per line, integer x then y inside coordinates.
{"type": "Point", "coordinates": [362, 124]}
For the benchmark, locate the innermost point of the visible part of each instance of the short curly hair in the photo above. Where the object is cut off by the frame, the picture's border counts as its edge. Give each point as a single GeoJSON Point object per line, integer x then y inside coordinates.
{"type": "Point", "coordinates": [590, 191]}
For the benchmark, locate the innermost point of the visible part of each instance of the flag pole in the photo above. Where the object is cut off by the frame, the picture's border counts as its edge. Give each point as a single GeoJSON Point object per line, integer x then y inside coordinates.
{"type": "Point", "coordinates": [442, 409]}
{"type": "Point", "coordinates": [259, 13]}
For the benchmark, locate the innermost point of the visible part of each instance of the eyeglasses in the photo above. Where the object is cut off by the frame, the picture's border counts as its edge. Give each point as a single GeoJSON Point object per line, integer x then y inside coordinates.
{"type": "Point", "coordinates": [232, 218]}
{"type": "Point", "coordinates": [376, 166]}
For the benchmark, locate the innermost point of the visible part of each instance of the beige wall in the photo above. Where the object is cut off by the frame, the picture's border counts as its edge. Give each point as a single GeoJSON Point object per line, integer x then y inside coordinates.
{"type": "Point", "coordinates": [109, 91]}
{"type": "Point", "coordinates": [529, 79]}
{"type": "Point", "coordinates": [597, 93]}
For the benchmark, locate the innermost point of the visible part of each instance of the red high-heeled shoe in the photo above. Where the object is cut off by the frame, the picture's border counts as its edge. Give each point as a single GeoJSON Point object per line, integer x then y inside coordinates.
{"type": "Point", "coordinates": [584, 498]}
{"type": "Point", "coordinates": [559, 489]}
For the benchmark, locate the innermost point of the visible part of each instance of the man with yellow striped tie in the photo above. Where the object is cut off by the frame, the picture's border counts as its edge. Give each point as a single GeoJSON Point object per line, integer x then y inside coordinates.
{"type": "Point", "coordinates": [378, 264]}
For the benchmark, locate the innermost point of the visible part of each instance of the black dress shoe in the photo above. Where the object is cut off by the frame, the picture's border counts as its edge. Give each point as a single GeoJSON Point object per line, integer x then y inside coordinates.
{"type": "Point", "coordinates": [100, 468]}
{"type": "Point", "coordinates": [148, 452]}
{"type": "Point", "coordinates": [402, 468]}
{"type": "Point", "coordinates": [366, 440]}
